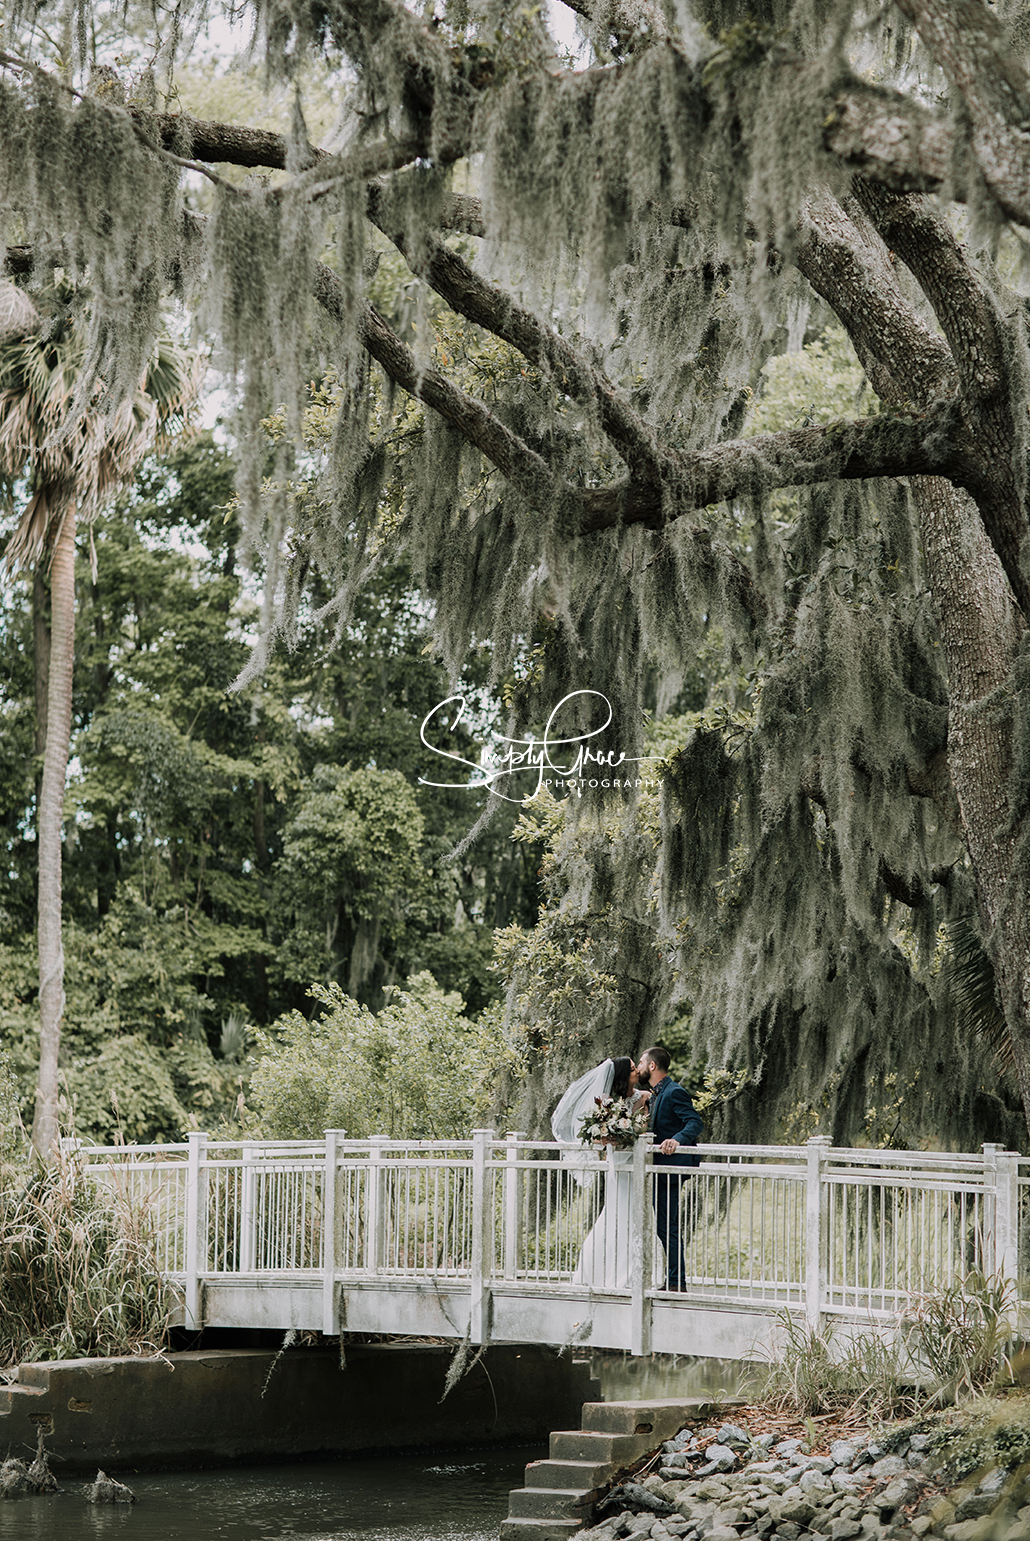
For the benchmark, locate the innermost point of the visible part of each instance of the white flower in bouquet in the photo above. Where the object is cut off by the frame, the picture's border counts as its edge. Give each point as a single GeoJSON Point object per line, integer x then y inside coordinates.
{"type": "Point", "coordinates": [612, 1121]}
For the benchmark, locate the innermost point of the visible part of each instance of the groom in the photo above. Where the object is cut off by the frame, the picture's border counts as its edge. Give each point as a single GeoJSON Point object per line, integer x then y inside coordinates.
{"type": "Point", "coordinates": [675, 1124]}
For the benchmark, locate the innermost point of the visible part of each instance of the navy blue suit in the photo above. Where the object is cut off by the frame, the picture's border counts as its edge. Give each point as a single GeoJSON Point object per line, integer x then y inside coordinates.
{"type": "Point", "coordinates": [672, 1116]}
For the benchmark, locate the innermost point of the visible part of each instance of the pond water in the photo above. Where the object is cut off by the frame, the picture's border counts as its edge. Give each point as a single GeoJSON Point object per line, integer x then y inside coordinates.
{"type": "Point", "coordinates": [450, 1496]}
{"type": "Point", "coordinates": [459, 1496]}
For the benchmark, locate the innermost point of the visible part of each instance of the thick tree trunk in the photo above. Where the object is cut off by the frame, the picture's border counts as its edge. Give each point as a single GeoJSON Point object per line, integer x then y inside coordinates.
{"type": "Point", "coordinates": [981, 628]}
{"type": "Point", "coordinates": [51, 814]}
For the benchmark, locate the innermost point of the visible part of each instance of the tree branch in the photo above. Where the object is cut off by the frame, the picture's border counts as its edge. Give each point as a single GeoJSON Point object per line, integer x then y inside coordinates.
{"type": "Point", "coordinates": [968, 43]}
{"type": "Point", "coordinates": [847, 451]}
{"type": "Point", "coordinates": [847, 263]}
{"type": "Point", "coordinates": [911, 226]}
{"type": "Point", "coordinates": [490, 307]}
{"type": "Point", "coordinates": [890, 138]}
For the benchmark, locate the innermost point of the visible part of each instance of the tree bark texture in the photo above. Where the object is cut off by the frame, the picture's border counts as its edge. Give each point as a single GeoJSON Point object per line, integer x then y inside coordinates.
{"type": "Point", "coordinates": [51, 818]}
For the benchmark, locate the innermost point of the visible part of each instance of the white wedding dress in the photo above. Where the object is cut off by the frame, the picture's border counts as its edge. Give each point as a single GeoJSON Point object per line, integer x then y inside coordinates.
{"type": "Point", "coordinates": [604, 1261]}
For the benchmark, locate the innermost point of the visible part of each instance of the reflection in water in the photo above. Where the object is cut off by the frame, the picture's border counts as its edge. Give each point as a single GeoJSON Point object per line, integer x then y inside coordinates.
{"type": "Point", "coordinates": [392, 1498]}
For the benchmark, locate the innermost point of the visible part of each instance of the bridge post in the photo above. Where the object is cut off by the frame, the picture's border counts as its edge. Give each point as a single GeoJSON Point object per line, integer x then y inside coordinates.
{"type": "Point", "coordinates": [511, 1206]}
{"type": "Point", "coordinates": [248, 1210]}
{"type": "Point", "coordinates": [196, 1227]}
{"type": "Point", "coordinates": [482, 1213]}
{"type": "Point", "coordinates": [375, 1205]}
{"type": "Point", "coordinates": [641, 1245]}
{"type": "Point", "coordinates": [817, 1199]}
{"type": "Point", "coordinates": [1001, 1184]}
{"type": "Point", "coordinates": [331, 1324]}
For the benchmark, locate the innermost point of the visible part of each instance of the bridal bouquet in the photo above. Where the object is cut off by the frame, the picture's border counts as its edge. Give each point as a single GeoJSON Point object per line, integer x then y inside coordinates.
{"type": "Point", "coordinates": [612, 1120]}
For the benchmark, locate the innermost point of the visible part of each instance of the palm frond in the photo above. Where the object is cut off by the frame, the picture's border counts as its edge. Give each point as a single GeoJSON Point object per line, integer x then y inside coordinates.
{"type": "Point", "coordinates": [72, 448]}
{"type": "Point", "coordinates": [972, 988]}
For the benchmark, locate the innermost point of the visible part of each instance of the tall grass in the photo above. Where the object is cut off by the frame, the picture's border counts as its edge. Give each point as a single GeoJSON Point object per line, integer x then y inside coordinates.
{"type": "Point", "coordinates": [946, 1344]}
{"type": "Point", "coordinates": [78, 1277]}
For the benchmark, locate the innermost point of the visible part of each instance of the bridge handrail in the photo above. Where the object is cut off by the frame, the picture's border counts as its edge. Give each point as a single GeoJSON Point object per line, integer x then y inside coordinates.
{"type": "Point", "coordinates": [801, 1226]}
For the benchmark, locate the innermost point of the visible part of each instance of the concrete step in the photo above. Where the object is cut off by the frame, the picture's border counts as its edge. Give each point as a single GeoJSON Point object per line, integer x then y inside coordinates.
{"type": "Point", "coordinates": [579, 1475]}
{"type": "Point", "coordinates": [591, 1445]}
{"type": "Point", "coordinates": [538, 1530]}
{"type": "Point", "coordinates": [12, 1395]}
{"type": "Point", "coordinates": [550, 1503]}
{"type": "Point", "coordinates": [657, 1419]}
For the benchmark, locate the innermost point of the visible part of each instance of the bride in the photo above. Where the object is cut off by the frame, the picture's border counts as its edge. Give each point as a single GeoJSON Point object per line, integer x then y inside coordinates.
{"type": "Point", "coordinates": [604, 1260]}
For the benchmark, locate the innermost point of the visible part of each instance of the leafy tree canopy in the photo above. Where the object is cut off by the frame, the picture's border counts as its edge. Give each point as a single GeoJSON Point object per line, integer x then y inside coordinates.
{"type": "Point", "coordinates": [617, 242]}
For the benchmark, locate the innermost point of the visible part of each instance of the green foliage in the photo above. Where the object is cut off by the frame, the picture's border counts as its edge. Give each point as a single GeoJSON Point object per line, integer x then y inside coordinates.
{"type": "Point", "coordinates": [948, 1343]}
{"type": "Point", "coordinates": [963, 1331]}
{"type": "Point", "coordinates": [126, 1093]}
{"type": "Point", "coordinates": [821, 382]}
{"type": "Point", "coordinates": [77, 1272]}
{"type": "Point", "coordinates": [352, 845]}
{"type": "Point", "coordinates": [419, 1070]}
{"type": "Point", "coordinates": [823, 1371]}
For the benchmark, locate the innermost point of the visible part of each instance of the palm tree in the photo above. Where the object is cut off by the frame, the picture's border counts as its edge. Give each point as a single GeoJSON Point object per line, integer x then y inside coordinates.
{"type": "Point", "coordinates": [74, 454]}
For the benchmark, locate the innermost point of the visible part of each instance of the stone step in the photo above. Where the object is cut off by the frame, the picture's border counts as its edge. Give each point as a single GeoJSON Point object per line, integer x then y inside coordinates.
{"type": "Point", "coordinates": [550, 1503]}
{"type": "Point", "coordinates": [579, 1475]}
{"type": "Point", "coordinates": [659, 1419]}
{"type": "Point", "coordinates": [591, 1445]}
{"type": "Point", "coordinates": [538, 1530]}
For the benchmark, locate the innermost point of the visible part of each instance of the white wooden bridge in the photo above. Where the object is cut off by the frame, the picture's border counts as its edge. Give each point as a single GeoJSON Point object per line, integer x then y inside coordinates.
{"type": "Point", "coordinates": [482, 1237]}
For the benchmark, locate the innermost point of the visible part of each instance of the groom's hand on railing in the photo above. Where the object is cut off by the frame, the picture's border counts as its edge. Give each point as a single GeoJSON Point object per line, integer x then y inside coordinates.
{"type": "Point", "coordinates": [669, 1147]}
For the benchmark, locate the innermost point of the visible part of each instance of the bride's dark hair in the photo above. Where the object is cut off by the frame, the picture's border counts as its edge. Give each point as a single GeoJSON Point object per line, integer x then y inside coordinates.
{"type": "Point", "coordinates": [620, 1075]}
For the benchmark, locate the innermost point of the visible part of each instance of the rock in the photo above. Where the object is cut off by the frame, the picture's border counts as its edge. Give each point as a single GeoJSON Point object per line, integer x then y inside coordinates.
{"type": "Point", "coordinates": [720, 1458]}
{"type": "Point", "coordinates": [721, 1533]}
{"type": "Point", "coordinates": [762, 1468]}
{"type": "Point", "coordinates": [105, 1490]}
{"type": "Point", "coordinates": [921, 1524]}
{"type": "Point", "coordinates": [994, 1481]}
{"type": "Point", "coordinates": [789, 1531]}
{"type": "Point", "coordinates": [974, 1504]}
{"type": "Point", "coordinates": [799, 1509]}
{"type": "Point", "coordinates": [888, 1466]}
{"type": "Point", "coordinates": [14, 1478]}
{"type": "Point", "coordinates": [815, 1482]}
{"type": "Point", "coordinates": [847, 1481]}
{"type": "Point", "coordinates": [919, 1441]}
{"type": "Point", "coordinates": [843, 1451]}
{"type": "Point", "coordinates": [900, 1491]}
{"type": "Point", "coordinates": [729, 1434]}
{"type": "Point", "coordinates": [980, 1529]}
{"type": "Point", "coordinates": [941, 1512]}
{"type": "Point", "coordinates": [788, 1446]}
{"type": "Point", "coordinates": [766, 1441]}
{"type": "Point", "coordinates": [823, 1463]}
{"type": "Point", "coordinates": [712, 1489]}
{"type": "Point", "coordinates": [843, 1530]}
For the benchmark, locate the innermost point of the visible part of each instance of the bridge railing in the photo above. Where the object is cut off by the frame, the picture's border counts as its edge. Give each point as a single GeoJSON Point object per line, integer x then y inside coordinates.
{"type": "Point", "coordinates": [853, 1233]}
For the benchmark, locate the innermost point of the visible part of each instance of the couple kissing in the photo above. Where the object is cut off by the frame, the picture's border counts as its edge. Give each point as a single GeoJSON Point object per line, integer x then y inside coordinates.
{"type": "Point", "coordinates": [675, 1125]}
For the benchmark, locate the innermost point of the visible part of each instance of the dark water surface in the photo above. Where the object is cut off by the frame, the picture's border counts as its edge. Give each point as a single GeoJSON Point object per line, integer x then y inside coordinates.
{"type": "Point", "coordinates": [460, 1496]}
{"type": "Point", "coordinates": [450, 1496]}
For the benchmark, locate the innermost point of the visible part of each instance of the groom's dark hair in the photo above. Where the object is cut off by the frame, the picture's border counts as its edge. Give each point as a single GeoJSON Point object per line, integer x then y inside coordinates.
{"type": "Point", "coordinates": [661, 1059]}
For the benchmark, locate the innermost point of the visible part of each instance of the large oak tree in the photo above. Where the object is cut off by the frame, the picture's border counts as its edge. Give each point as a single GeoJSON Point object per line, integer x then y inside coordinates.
{"type": "Point", "coordinates": [646, 217]}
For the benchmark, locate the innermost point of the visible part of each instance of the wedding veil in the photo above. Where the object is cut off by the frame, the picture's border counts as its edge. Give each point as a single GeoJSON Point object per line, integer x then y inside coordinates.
{"type": "Point", "coordinates": [577, 1101]}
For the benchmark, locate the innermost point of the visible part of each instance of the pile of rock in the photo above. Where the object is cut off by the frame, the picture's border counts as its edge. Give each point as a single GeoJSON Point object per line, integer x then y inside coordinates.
{"type": "Point", "coordinates": [720, 1484]}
